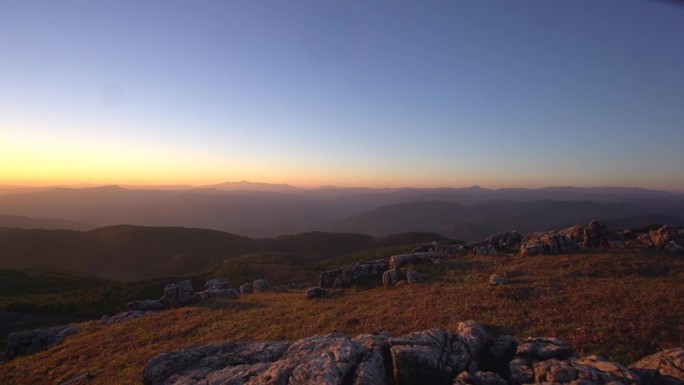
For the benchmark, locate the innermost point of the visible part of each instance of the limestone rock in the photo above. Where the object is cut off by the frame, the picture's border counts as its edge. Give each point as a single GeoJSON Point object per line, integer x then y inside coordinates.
{"type": "Point", "coordinates": [345, 276]}
{"type": "Point", "coordinates": [433, 356]}
{"type": "Point", "coordinates": [146, 305]}
{"type": "Point", "coordinates": [33, 341]}
{"type": "Point", "coordinates": [663, 368]}
{"type": "Point", "coordinates": [324, 359]}
{"type": "Point", "coordinates": [179, 294]}
{"type": "Point", "coordinates": [541, 349]}
{"type": "Point", "coordinates": [505, 240]}
{"type": "Point", "coordinates": [216, 284]}
{"type": "Point", "coordinates": [591, 369]}
{"type": "Point", "coordinates": [414, 277]}
{"type": "Point", "coordinates": [479, 378]}
{"type": "Point", "coordinates": [216, 361]}
{"type": "Point", "coordinates": [221, 293]}
{"type": "Point", "coordinates": [316, 292]}
{"type": "Point", "coordinates": [496, 279]}
{"type": "Point", "coordinates": [498, 354]}
{"type": "Point", "coordinates": [246, 288]}
{"type": "Point", "coordinates": [483, 248]}
{"type": "Point", "coordinates": [401, 260]}
{"type": "Point", "coordinates": [261, 286]}
{"type": "Point", "coordinates": [391, 277]}
{"type": "Point", "coordinates": [548, 243]}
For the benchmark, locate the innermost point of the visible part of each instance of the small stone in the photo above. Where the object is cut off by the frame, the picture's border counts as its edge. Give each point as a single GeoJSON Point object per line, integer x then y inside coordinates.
{"type": "Point", "coordinates": [496, 279]}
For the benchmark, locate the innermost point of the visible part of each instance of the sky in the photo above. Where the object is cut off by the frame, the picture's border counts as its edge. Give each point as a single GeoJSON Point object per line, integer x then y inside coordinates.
{"type": "Point", "coordinates": [345, 93]}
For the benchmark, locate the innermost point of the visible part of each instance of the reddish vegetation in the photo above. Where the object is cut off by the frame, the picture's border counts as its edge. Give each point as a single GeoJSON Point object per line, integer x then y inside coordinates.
{"type": "Point", "coordinates": [619, 305]}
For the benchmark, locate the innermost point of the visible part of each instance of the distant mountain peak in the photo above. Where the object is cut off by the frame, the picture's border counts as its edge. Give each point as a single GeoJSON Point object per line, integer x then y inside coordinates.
{"type": "Point", "coordinates": [252, 186]}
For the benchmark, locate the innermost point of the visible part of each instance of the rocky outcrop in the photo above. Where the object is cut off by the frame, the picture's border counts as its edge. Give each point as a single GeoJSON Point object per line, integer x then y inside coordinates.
{"type": "Point", "coordinates": [662, 368]}
{"type": "Point", "coordinates": [179, 294]}
{"type": "Point", "coordinates": [666, 238]}
{"type": "Point", "coordinates": [345, 276]}
{"type": "Point", "coordinates": [33, 341]}
{"type": "Point", "coordinates": [483, 248]}
{"type": "Point", "coordinates": [505, 240]}
{"type": "Point", "coordinates": [401, 260]}
{"type": "Point", "coordinates": [547, 243]}
{"type": "Point", "coordinates": [466, 356]}
{"type": "Point", "coordinates": [261, 286]}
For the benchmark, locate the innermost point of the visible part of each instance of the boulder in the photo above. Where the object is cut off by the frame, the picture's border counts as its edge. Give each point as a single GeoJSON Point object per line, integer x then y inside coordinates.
{"type": "Point", "coordinates": [496, 279]}
{"type": "Point", "coordinates": [431, 357]}
{"type": "Point", "coordinates": [261, 286]}
{"type": "Point", "coordinates": [33, 341]}
{"type": "Point", "coordinates": [390, 277]}
{"type": "Point", "coordinates": [246, 288]}
{"type": "Point", "coordinates": [414, 277]}
{"type": "Point", "coordinates": [316, 292]}
{"type": "Point", "coordinates": [666, 238]}
{"type": "Point", "coordinates": [663, 368]}
{"type": "Point", "coordinates": [179, 294]}
{"type": "Point", "coordinates": [576, 233]}
{"type": "Point", "coordinates": [596, 235]}
{"type": "Point", "coordinates": [146, 305]}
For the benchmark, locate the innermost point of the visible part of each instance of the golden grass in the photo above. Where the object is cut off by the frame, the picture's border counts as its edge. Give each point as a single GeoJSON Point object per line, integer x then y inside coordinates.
{"type": "Point", "coordinates": [619, 305]}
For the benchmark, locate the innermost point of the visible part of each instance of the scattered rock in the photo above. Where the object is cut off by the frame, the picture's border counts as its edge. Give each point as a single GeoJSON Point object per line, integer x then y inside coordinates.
{"type": "Point", "coordinates": [125, 316]}
{"type": "Point", "coordinates": [179, 294]}
{"type": "Point", "coordinates": [146, 305]}
{"type": "Point", "coordinates": [663, 368]}
{"type": "Point", "coordinates": [414, 277]}
{"type": "Point", "coordinates": [316, 292]}
{"type": "Point", "coordinates": [261, 286]}
{"type": "Point", "coordinates": [33, 341]}
{"type": "Point", "coordinates": [246, 288]}
{"type": "Point", "coordinates": [496, 279]}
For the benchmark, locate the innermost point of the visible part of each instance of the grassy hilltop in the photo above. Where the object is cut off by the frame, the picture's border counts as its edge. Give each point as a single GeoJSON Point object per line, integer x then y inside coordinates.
{"type": "Point", "coordinates": [621, 305]}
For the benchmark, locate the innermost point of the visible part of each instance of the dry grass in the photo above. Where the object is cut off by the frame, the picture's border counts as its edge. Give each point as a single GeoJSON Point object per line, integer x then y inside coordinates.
{"type": "Point", "coordinates": [619, 305]}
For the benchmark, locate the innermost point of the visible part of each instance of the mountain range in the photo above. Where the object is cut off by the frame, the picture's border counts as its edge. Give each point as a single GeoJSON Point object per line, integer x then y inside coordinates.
{"type": "Point", "coordinates": [269, 210]}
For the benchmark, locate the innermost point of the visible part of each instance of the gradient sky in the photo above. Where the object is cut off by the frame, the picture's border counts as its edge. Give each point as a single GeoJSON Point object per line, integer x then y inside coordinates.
{"type": "Point", "coordinates": [383, 94]}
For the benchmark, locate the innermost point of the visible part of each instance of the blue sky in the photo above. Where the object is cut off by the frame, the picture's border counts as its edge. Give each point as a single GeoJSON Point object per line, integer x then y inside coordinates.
{"type": "Point", "coordinates": [396, 93]}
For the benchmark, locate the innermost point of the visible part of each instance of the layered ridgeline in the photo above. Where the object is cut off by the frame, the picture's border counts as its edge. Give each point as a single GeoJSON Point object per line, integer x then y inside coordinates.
{"type": "Point", "coordinates": [135, 252]}
{"type": "Point", "coordinates": [263, 210]}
